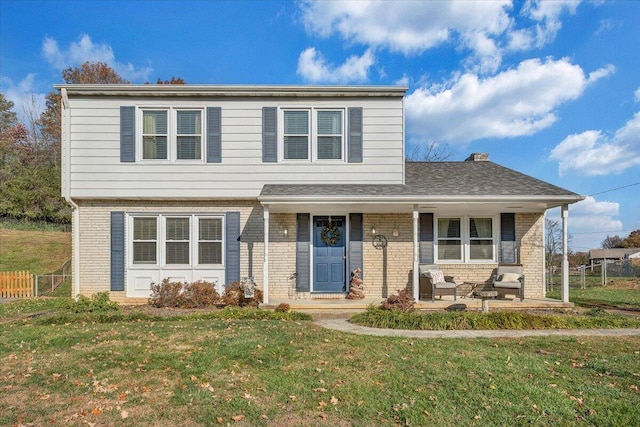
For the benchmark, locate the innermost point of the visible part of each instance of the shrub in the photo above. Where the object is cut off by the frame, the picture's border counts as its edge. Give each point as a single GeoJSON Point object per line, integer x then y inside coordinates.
{"type": "Point", "coordinates": [234, 296]}
{"type": "Point", "coordinates": [283, 307]}
{"type": "Point", "coordinates": [167, 294]}
{"type": "Point", "coordinates": [98, 302]}
{"type": "Point", "coordinates": [403, 301]}
{"type": "Point", "coordinates": [200, 294]}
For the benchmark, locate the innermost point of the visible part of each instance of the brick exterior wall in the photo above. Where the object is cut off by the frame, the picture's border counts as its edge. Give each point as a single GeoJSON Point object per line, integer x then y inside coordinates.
{"type": "Point", "coordinates": [95, 243]}
{"type": "Point", "coordinates": [385, 271]}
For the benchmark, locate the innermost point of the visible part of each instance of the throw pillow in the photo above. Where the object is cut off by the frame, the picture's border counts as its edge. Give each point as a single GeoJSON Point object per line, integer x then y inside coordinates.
{"type": "Point", "coordinates": [510, 277]}
{"type": "Point", "coordinates": [437, 276]}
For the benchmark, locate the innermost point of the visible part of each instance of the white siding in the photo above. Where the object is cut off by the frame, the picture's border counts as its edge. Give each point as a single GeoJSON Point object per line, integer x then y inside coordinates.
{"type": "Point", "coordinates": [96, 170]}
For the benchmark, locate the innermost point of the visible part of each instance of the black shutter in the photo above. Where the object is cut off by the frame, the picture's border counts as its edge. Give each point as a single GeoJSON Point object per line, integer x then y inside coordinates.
{"type": "Point", "coordinates": [426, 238]}
{"type": "Point", "coordinates": [355, 135]}
{"type": "Point", "coordinates": [303, 253]}
{"type": "Point", "coordinates": [269, 134]}
{"type": "Point", "coordinates": [356, 235]}
{"type": "Point", "coordinates": [127, 134]}
{"type": "Point", "coordinates": [508, 238]}
{"type": "Point", "coordinates": [117, 251]}
{"type": "Point", "coordinates": [214, 135]}
{"type": "Point", "coordinates": [232, 246]}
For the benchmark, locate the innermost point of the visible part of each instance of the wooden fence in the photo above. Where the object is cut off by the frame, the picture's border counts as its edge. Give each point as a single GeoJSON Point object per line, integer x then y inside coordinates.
{"type": "Point", "coordinates": [16, 284]}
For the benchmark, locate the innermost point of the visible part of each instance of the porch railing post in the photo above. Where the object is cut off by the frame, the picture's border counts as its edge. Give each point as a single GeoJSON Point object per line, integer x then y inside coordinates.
{"type": "Point", "coordinates": [416, 255]}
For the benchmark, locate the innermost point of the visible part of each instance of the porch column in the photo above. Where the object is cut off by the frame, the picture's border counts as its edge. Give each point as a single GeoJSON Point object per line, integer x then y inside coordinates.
{"type": "Point", "coordinates": [565, 254]}
{"type": "Point", "coordinates": [416, 255]}
{"type": "Point", "coordinates": [265, 267]}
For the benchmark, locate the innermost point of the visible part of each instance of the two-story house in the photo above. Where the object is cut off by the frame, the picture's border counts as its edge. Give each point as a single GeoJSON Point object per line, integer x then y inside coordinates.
{"type": "Point", "coordinates": [294, 186]}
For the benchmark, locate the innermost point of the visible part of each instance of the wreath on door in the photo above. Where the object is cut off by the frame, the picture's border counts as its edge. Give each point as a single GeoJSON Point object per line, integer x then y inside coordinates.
{"type": "Point", "coordinates": [330, 234]}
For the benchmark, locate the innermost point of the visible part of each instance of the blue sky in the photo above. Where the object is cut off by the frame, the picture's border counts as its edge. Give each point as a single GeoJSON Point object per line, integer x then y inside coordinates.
{"type": "Point", "coordinates": [551, 89]}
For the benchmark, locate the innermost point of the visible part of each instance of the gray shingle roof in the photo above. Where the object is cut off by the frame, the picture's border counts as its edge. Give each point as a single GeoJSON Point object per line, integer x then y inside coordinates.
{"type": "Point", "coordinates": [424, 179]}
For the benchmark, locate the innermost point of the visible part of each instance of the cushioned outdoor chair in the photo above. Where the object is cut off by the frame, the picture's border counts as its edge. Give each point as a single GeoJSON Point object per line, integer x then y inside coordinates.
{"type": "Point", "coordinates": [439, 283]}
{"type": "Point", "coordinates": [509, 278]}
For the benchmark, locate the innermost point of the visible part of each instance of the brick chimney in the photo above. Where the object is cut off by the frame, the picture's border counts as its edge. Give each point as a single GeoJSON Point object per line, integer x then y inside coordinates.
{"type": "Point", "coordinates": [477, 157]}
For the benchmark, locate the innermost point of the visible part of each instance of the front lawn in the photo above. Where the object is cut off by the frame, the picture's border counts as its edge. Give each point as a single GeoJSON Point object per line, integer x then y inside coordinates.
{"type": "Point", "coordinates": [190, 371]}
{"type": "Point", "coordinates": [622, 294]}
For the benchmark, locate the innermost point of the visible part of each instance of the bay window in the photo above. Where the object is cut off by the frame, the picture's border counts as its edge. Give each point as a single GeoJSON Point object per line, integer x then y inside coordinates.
{"type": "Point", "coordinates": [466, 239]}
{"type": "Point", "coordinates": [179, 241]}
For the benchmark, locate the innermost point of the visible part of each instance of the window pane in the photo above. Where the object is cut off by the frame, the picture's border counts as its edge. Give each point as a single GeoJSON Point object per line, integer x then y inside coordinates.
{"type": "Point", "coordinates": [177, 228]}
{"type": "Point", "coordinates": [144, 252]}
{"type": "Point", "coordinates": [210, 253]}
{"type": "Point", "coordinates": [296, 147]}
{"type": "Point", "coordinates": [329, 122]}
{"type": "Point", "coordinates": [154, 122]}
{"type": "Point", "coordinates": [188, 148]}
{"type": "Point", "coordinates": [154, 147]}
{"type": "Point", "coordinates": [481, 249]}
{"type": "Point", "coordinates": [177, 252]}
{"type": "Point", "coordinates": [449, 228]}
{"type": "Point", "coordinates": [329, 147]}
{"type": "Point", "coordinates": [296, 122]}
{"type": "Point", "coordinates": [481, 228]}
{"type": "Point", "coordinates": [144, 229]}
{"type": "Point", "coordinates": [210, 229]}
{"type": "Point", "coordinates": [449, 250]}
{"type": "Point", "coordinates": [189, 123]}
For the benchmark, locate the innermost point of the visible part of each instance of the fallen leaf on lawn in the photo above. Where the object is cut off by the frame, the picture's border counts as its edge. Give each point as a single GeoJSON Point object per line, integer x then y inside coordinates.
{"type": "Point", "coordinates": [320, 389]}
{"type": "Point", "coordinates": [124, 414]}
{"type": "Point", "coordinates": [238, 418]}
{"type": "Point", "coordinates": [96, 411]}
{"type": "Point", "coordinates": [322, 404]}
{"type": "Point", "coordinates": [56, 376]}
{"type": "Point", "coordinates": [323, 416]}
{"type": "Point", "coordinates": [333, 400]}
{"type": "Point", "coordinates": [292, 398]}
{"type": "Point", "coordinates": [220, 420]}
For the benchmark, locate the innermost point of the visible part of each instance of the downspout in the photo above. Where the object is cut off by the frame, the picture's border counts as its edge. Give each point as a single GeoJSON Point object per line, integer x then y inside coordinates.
{"type": "Point", "coordinates": [66, 193]}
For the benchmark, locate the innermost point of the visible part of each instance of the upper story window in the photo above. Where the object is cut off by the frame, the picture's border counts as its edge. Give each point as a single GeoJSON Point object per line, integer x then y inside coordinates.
{"type": "Point", "coordinates": [466, 239]}
{"type": "Point", "coordinates": [172, 134]}
{"type": "Point", "coordinates": [312, 134]}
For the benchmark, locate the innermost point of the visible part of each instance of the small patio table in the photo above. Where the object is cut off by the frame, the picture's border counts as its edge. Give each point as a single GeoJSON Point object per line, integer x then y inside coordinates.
{"type": "Point", "coordinates": [486, 296]}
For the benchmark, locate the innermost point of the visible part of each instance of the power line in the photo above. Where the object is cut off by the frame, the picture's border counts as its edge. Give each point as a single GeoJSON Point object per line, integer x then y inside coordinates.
{"type": "Point", "coordinates": [614, 189]}
{"type": "Point", "coordinates": [600, 232]}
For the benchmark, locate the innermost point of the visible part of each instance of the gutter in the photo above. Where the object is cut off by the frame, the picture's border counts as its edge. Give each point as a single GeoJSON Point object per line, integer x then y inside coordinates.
{"type": "Point", "coordinates": [66, 192]}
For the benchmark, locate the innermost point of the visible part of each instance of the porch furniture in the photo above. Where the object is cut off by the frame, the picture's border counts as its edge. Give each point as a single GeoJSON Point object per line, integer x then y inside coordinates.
{"type": "Point", "coordinates": [439, 283]}
{"type": "Point", "coordinates": [508, 278]}
{"type": "Point", "coordinates": [486, 296]}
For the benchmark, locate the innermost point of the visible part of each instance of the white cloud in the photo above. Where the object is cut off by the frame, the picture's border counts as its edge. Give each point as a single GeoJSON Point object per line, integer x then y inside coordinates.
{"type": "Point", "coordinates": [636, 95]}
{"type": "Point", "coordinates": [594, 153]}
{"type": "Point", "coordinates": [590, 207]}
{"type": "Point", "coordinates": [313, 67]}
{"type": "Point", "coordinates": [485, 28]}
{"type": "Point", "coordinates": [410, 27]}
{"type": "Point", "coordinates": [85, 50]}
{"type": "Point", "coordinates": [28, 103]}
{"type": "Point", "coordinates": [519, 101]}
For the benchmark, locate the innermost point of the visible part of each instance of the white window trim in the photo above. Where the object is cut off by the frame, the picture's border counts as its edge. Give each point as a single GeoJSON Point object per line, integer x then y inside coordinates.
{"type": "Point", "coordinates": [161, 242]}
{"type": "Point", "coordinates": [313, 134]}
{"type": "Point", "coordinates": [465, 230]}
{"type": "Point", "coordinates": [172, 134]}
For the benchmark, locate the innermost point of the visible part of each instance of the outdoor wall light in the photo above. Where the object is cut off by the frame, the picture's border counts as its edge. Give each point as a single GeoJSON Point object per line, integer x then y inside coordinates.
{"type": "Point", "coordinates": [373, 230]}
{"type": "Point", "coordinates": [395, 231]}
{"type": "Point", "coordinates": [285, 232]}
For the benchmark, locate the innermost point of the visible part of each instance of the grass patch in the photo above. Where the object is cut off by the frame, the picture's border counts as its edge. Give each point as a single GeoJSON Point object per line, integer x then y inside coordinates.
{"type": "Point", "coordinates": [35, 251]}
{"type": "Point", "coordinates": [395, 319]}
{"type": "Point", "coordinates": [271, 372]}
{"type": "Point", "coordinates": [603, 296]}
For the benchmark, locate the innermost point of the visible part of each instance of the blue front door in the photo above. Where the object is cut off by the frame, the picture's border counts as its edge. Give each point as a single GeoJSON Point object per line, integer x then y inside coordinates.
{"type": "Point", "coordinates": [329, 255]}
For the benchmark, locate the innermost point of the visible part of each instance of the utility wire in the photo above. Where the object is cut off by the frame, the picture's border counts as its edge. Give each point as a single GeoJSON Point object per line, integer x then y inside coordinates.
{"type": "Point", "coordinates": [614, 189]}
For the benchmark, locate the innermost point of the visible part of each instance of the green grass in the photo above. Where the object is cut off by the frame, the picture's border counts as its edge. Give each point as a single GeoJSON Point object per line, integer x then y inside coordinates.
{"type": "Point", "coordinates": [35, 251]}
{"type": "Point", "coordinates": [192, 372]}
{"type": "Point", "coordinates": [621, 293]}
{"type": "Point", "coordinates": [395, 319]}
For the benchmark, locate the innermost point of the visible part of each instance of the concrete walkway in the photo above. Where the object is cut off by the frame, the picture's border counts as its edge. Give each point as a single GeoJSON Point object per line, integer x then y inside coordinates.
{"type": "Point", "coordinates": [345, 326]}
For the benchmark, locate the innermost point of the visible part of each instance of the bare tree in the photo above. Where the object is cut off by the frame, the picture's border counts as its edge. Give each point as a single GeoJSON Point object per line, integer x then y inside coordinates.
{"type": "Point", "coordinates": [433, 152]}
{"type": "Point", "coordinates": [611, 242]}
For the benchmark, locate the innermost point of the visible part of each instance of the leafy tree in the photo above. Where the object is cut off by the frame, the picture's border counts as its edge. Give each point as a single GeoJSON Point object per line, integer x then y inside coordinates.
{"type": "Point", "coordinates": [633, 241]}
{"type": "Point", "coordinates": [172, 81]}
{"type": "Point", "coordinates": [8, 117]}
{"type": "Point", "coordinates": [611, 242]}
